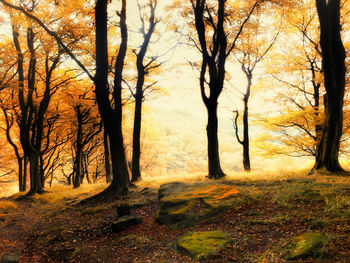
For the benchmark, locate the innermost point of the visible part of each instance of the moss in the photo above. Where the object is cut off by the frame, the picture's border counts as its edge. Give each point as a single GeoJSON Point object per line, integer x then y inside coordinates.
{"type": "Point", "coordinates": [135, 241]}
{"type": "Point", "coordinates": [201, 245]}
{"type": "Point", "coordinates": [92, 210]}
{"type": "Point", "coordinates": [307, 245]}
{"type": "Point", "coordinates": [309, 196]}
{"type": "Point", "coordinates": [184, 204]}
{"type": "Point", "coordinates": [317, 223]}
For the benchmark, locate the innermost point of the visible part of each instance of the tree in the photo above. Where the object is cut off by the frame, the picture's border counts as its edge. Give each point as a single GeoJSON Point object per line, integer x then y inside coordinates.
{"type": "Point", "coordinates": [211, 26]}
{"type": "Point", "coordinates": [333, 57]}
{"type": "Point", "coordinates": [111, 116]}
{"type": "Point", "coordinates": [295, 130]}
{"type": "Point", "coordinates": [142, 71]}
{"type": "Point", "coordinates": [87, 128]}
{"type": "Point", "coordinates": [251, 50]}
{"type": "Point", "coordinates": [21, 158]}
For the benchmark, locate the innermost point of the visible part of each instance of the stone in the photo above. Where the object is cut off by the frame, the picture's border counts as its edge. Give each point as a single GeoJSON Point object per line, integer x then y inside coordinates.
{"type": "Point", "coordinates": [308, 245]}
{"type": "Point", "coordinates": [124, 222]}
{"type": "Point", "coordinates": [202, 245]}
{"type": "Point", "coordinates": [181, 205]}
{"type": "Point", "coordinates": [9, 258]}
{"type": "Point", "coordinates": [123, 210]}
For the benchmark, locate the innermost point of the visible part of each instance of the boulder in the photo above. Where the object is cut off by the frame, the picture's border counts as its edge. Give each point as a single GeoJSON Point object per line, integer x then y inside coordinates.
{"type": "Point", "coordinates": [182, 204]}
{"type": "Point", "coordinates": [124, 222]}
{"type": "Point", "coordinates": [201, 245]}
{"type": "Point", "coordinates": [307, 245]}
{"type": "Point", "coordinates": [9, 258]}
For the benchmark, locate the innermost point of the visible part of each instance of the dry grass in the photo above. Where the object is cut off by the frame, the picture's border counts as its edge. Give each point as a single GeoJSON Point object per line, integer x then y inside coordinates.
{"type": "Point", "coordinates": [7, 205]}
{"type": "Point", "coordinates": [58, 193]}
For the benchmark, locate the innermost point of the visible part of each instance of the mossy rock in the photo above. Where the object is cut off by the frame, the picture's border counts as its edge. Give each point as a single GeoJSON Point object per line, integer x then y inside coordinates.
{"type": "Point", "coordinates": [9, 258]}
{"type": "Point", "coordinates": [202, 245]}
{"type": "Point", "coordinates": [182, 204]}
{"type": "Point", "coordinates": [307, 245]}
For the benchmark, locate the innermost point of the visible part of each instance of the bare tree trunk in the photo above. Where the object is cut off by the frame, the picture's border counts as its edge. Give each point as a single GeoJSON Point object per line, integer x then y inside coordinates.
{"type": "Point", "coordinates": [86, 167]}
{"type": "Point", "coordinates": [213, 63]}
{"type": "Point", "coordinates": [20, 174]}
{"type": "Point", "coordinates": [136, 151]}
{"type": "Point", "coordinates": [107, 157]}
{"type": "Point", "coordinates": [139, 94]}
{"type": "Point", "coordinates": [215, 170]}
{"type": "Point", "coordinates": [25, 173]}
{"type": "Point", "coordinates": [246, 158]}
{"type": "Point", "coordinates": [112, 119]}
{"type": "Point", "coordinates": [35, 179]}
{"type": "Point", "coordinates": [333, 57]}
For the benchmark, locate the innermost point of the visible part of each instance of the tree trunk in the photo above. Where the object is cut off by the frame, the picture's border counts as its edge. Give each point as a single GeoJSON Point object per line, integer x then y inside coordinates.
{"type": "Point", "coordinates": [318, 126]}
{"type": "Point", "coordinates": [25, 173]}
{"type": "Point", "coordinates": [112, 119]}
{"type": "Point", "coordinates": [20, 174]}
{"type": "Point", "coordinates": [121, 182]}
{"type": "Point", "coordinates": [35, 179]}
{"type": "Point", "coordinates": [333, 57]}
{"type": "Point", "coordinates": [107, 157]}
{"type": "Point", "coordinates": [215, 170]}
{"type": "Point", "coordinates": [246, 158]}
{"type": "Point", "coordinates": [79, 148]}
{"type": "Point", "coordinates": [136, 152]}
{"type": "Point", "coordinates": [77, 172]}
{"type": "Point", "coordinates": [86, 167]}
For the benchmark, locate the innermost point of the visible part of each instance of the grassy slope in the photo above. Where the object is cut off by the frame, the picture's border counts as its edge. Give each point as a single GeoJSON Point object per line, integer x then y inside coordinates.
{"type": "Point", "coordinates": [272, 210]}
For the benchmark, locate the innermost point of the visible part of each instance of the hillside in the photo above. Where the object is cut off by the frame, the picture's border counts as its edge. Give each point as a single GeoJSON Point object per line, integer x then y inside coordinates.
{"type": "Point", "coordinates": [263, 222]}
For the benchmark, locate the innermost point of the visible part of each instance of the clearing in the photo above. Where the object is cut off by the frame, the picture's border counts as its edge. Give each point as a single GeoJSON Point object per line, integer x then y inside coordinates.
{"type": "Point", "coordinates": [266, 223]}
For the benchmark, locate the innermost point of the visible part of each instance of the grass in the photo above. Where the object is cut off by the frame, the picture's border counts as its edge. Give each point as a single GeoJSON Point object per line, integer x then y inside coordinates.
{"type": "Point", "coordinates": [59, 193]}
{"type": "Point", "coordinates": [273, 207]}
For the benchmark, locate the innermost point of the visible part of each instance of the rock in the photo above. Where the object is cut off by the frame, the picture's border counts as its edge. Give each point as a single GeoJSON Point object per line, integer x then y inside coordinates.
{"type": "Point", "coordinates": [182, 204]}
{"type": "Point", "coordinates": [123, 210]}
{"type": "Point", "coordinates": [307, 245]}
{"type": "Point", "coordinates": [201, 245]}
{"type": "Point", "coordinates": [124, 222]}
{"type": "Point", "coordinates": [9, 258]}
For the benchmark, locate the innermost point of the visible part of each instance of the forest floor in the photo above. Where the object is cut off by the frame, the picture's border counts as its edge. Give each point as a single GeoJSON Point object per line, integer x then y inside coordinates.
{"type": "Point", "coordinates": [54, 227]}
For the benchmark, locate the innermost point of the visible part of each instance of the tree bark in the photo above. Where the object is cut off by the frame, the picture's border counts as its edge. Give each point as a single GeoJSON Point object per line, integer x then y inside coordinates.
{"type": "Point", "coordinates": [246, 157]}
{"type": "Point", "coordinates": [79, 148]}
{"type": "Point", "coordinates": [333, 57]}
{"type": "Point", "coordinates": [213, 63]}
{"type": "Point", "coordinates": [107, 157]}
{"type": "Point", "coordinates": [136, 148]}
{"type": "Point", "coordinates": [214, 166]}
{"type": "Point", "coordinates": [112, 119]}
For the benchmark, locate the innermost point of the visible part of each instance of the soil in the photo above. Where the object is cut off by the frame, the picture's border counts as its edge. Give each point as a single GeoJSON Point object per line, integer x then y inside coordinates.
{"type": "Point", "coordinates": [261, 226]}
